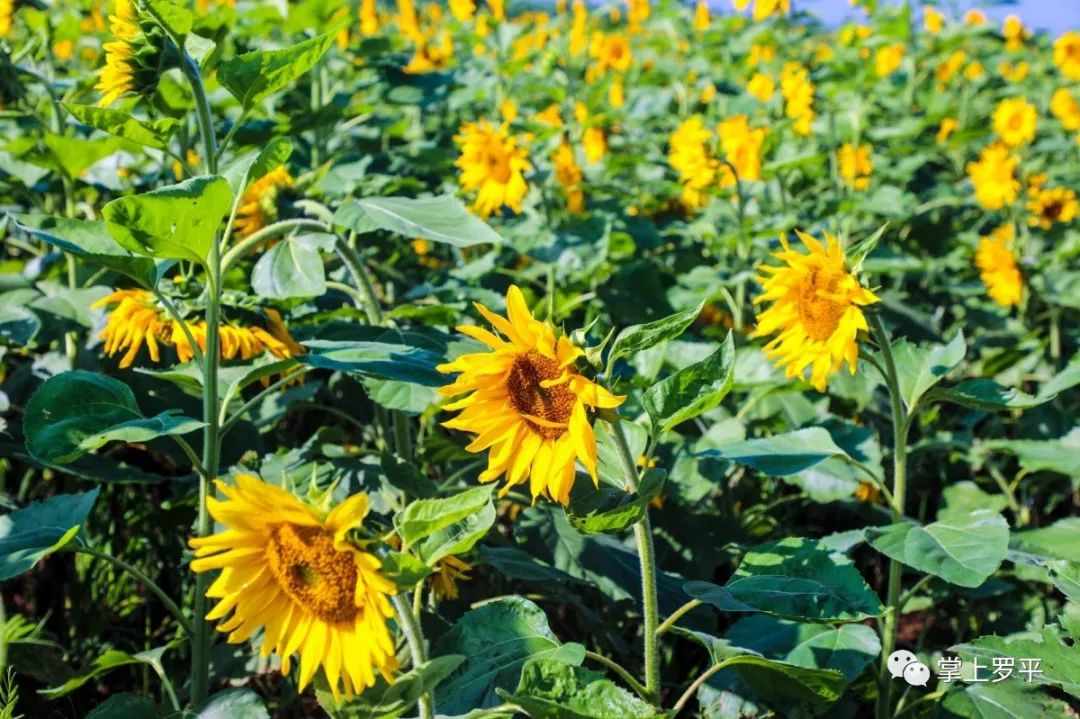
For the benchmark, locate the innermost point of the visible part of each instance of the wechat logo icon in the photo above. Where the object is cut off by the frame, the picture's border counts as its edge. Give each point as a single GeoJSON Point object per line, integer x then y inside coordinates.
{"type": "Point", "coordinates": [905, 665]}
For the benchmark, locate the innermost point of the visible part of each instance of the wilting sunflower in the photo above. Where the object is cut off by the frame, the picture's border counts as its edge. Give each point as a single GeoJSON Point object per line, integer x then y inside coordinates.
{"type": "Point", "coordinates": [1014, 121]}
{"type": "Point", "coordinates": [997, 266]}
{"type": "Point", "coordinates": [526, 402]}
{"type": "Point", "coordinates": [448, 572]}
{"type": "Point", "coordinates": [994, 177]}
{"type": "Point", "coordinates": [135, 59]}
{"type": "Point", "coordinates": [1054, 204]}
{"type": "Point", "coordinates": [816, 308]}
{"type": "Point", "coordinates": [290, 570]}
{"type": "Point", "coordinates": [492, 164]}
{"type": "Point", "coordinates": [259, 206]}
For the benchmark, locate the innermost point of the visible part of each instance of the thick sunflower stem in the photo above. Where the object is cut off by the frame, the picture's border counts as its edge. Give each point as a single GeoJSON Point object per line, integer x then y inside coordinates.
{"type": "Point", "coordinates": [410, 625]}
{"type": "Point", "coordinates": [647, 556]}
{"type": "Point", "coordinates": [900, 425]}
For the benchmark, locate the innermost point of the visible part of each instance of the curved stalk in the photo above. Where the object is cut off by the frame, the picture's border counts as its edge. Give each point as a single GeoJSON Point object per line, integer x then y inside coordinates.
{"type": "Point", "coordinates": [647, 557]}
{"type": "Point", "coordinates": [411, 627]}
{"type": "Point", "coordinates": [618, 669]}
{"type": "Point", "coordinates": [690, 690]}
{"type": "Point", "coordinates": [238, 250]}
{"type": "Point", "coordinates": [677, 615]}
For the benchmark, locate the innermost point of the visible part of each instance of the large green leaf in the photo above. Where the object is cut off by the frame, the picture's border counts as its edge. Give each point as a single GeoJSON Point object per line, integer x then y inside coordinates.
{"type": "Point", "coordinates": [379, 360]}
{"type": "Point", "coordinates": [920, 368]}
{"type": "Point", "coordinates": [111, 659]}
{"type": "Point", "coordinates": [28, 534]}
{"type": "Point", "coordinates": [962, 549]}
{"type": "Point", "coordinates": [125, 706]}
{"type": "Point", "coordinates": [176, 222]}
{"type": "Point", "coordinates": [801, 691]}
{"type": "Point", "coordinates": [550, 689]}
{"type": "Point", "coordinates": [1005, 700]}
{"type": "Point", "coordinates": [693, 390]}
{"type": "Point", "coordinates": [439, 219]}
{"type": "Point", "coordinates": [1060, 540]}
{"type": "Point", "coordinates": [425, 516]}
{"type": "Point", "coordinates": [793, 578]}
{"type": "Point", "coordinates": [1059, 660]}
{"type": "Point", "coordinates": [74, 155]}
{"type": "Point", "coordinates": [608, 509]}
{"type": "Point", "coordinates": [255, 164]}
{"type": "Point", "coordinates": [91, 239]}
{"type": "Point", "coordinates": [253, 76]}
{"type": "Point", "coordinates": [635, 338]}
{"type": "Point", "coordinates": [848, 648]}
{"type": "Point", "coordinates": [782, 454]}
{"type": "Point", "coordinates": [75, 412]}
{"type": "Point", "coordinates": [987, 394]}
{"type": "Point", "coordinates": [1060, 455]}
{"type": "Point", "coordinates": [389, 701]}
{"type": "Point", "coordinates": [234, 704]}
{"type": "Point", "coordinates": [496, 640]}
{"type": "Point", "coordinates": [175, 18]}
{"type": "Point", "coordinates": [292, 268]}
{"type": "Point", "coordinates": [151, 133]}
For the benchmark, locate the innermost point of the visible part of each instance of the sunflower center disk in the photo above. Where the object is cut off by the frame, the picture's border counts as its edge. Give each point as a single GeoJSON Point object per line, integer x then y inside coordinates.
{"type": "Point", "coordinates": [527, 396]}
{"type": "Point", "coordinates": [498, 164]}
{"type": "Point", "coordinates": [820, 315]}
{"type": "Point", "coordinates": [313, 572]}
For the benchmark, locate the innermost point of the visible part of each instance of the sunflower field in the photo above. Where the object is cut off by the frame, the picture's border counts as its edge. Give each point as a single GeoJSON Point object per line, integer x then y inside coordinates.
{"type": "Point", "coordinates": [373, 359]}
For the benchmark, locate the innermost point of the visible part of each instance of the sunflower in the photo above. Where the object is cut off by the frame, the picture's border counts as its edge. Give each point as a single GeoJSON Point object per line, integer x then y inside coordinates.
{"type": "Point", "coordinates": [259, 203]}
{"type": "Point", "coordinates": [611, 51]}
{"type": "Point", "coordinates": [854, 165]}
{"type": "Point", "coordinates": [1065, 108]}
{"type": "Point", "coordinates": [1014, 32]}
{"type": "Point", "coordinates": [462, 10]}
{"type": "Point", "coordinates": [134, 320]}
{"type": "Point", "coordinates": [1067, 54]}
{"type": "Point", "coordinates": [798, 94]}
{"type": "Point", "coordinates": [492, 164]}
{"type": "Point", "coordinates": [369, 18]}
{"type": "Point", "coordinates": [135, 59]}
{"type": "Point", "coordinates": [568, 174]}
{"type": "Point", "coordinates": [431, 55]}
{"type": "Point", "coordinates": [688, 154]}
{"type": "Point", "coordinates": [1014, 121]}
{"type": "Point", "coordinates": [994, 177]}
{"type": "Point", "coordinates": [595, 144]}
{"type": "Point", "coordinates": [741, 145]}
{"type": "Point", "coordinates": [950, 66]}
{"type": "Point", "coordinates": [1055, 204]}
{"type": "Point", "coordinates": [448, 572]}
{"type": "Point", "coordinates": [290, 570]}
{"type": "Point", "coordinates": [761, 86]}
{"type": "Point", "coordinates": [945, 129]}
{"type": "Point", "coordinates": [816, 308]}
{"type": "Point", "coordinates": [701, 16]}
{"type": "Point", "coordinates": [887, 59]}
{"type": "Point", "coordinates": [933, 21]}
{"type": "Point", "coordinates": [526, 402]}
{"type": "Point", "coordinates": [997, 267]}
{"type": "Point", "coordinates": [7, 17]}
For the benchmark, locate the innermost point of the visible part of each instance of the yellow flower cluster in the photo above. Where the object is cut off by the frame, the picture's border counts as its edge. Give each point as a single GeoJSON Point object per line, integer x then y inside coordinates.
{"type": "Point", "coordinates": [997, 267]}
{"type": "Point", "coordinates": [798, 92]}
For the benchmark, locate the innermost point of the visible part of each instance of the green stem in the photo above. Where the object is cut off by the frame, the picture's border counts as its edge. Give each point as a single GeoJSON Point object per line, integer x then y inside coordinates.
{"type": "Point", "coordinates": [238, 250]}
{"type": "Point", "coordinates": [355, 263]}
{"type": "Point", "coordinates": [190, 453]}
{"type": "Point", "coordinates": [900, 426]}
{"type": "Point", "coordinates": [411, 627]}
{"type": "Point", "coordinates": [647, 556]}
{"type": "Point", "coordinates": [677, 615]}
{"type": "Point", "coordinates": [692, 689]}
{"type": "Point", "coordinates": [285, 378]}
{"type": "Point", "coordinates": [618, 669]}
{"type": "Point", "coordinates": [142, 578]}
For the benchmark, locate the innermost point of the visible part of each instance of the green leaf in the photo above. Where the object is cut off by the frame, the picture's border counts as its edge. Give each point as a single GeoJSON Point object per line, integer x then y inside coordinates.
{"type": "Point", "coordinates": [108, 661]}
{"type": "Point", "coordinates": [1060, 540]}
{"type": "Point", "coordinates": [857, 253]}
{"type": "Point", "coordinates": [29, 534]}
{"type": "Point", "coordinates": [961, 549]}
{"type": "Point", "coordinates": [441, 527]}
{"type": "Point", "coordinates": [292, 268]}
{"type": "Point", "coordinates": [496, 640]}
{"type": "Point", "coordinates": [75, 412]}
{"type": "Point", "coordinates": [378, 360]}
{"type": "Point", "coordinates": [782, 454]}
{"type": "Point", "coordinates": [405, 570]}
{"type": "Point", "coordinates": [802, 691]}
{"type": "Point", "coordinates": [609, 509]}
{"type": "Point", "coordinates": [256, 75]}
{"type": "Point", "coordinates": [74, 155]}
{"type": "Point", "coordinates": [404, 475]}
{"type": "Point", "coordinates": [389, 701]}
{"type": "Point", "coordinates": [439, 219]}
{"type": "Point", "coordinates": [176, 222]}
{"type": "Point", "coordinates": [151, 133]}
{"type": "Point", "coordinates": [636, 338]}
{"type": "Point", "coordinates": [1060, 661]}
{"type": "Point", "coordinates": [920, 368]}
{"type": "Point", "coordinates": [234, 704]}
{"type": "Point", "coordinates": [550, 689]}
{"type": "Point", "coordinates": [1005, 700]}
{"type": "Point", "coordinates": [516, 564]}
{"type": "Point", "coordinates": [254, 165]}
{"type": "Point", "coordinates": [693, 390]}
{"type": "Point", "coordinates": [793, 578]}
{"type": "Point", "coordinates": [987, 394]}
{"type": "Point", "coordinates": [1060, 455]}
{"type": "Point", "coordinates": [174, 18]}
{"type": "Point", "coordinates": [18, 325]}
{"type": "Point", "coordinates": [125, 706]}
{"type": "Point", "coordinates": [91, 240]}
{"type": "Point", "coordinates": [848, 648]}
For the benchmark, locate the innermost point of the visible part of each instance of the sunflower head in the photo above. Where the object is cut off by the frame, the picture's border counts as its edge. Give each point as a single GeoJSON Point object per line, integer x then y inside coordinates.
{"type": "Point", "coordinates": [526, 402]}
{"type": "Point", "coordinates": [1014, 121]}
{"type": "Point", "coordinates": [997, 267]}
{"type": "Point", "coordinates": [1052, 205]}
{"type": "Point", "coordinates": [815, 310]}
{"type": "Point", "coordinates": [855, 165]}
{"type": "Point", "coordinates": [1067, 54]}
{"type": "Point", "coordinates": [448, 572]}
{"type": "Point", "coordinates": [264, 202]}
{"type": "Point", "coordinates": [289, 569]}
{"type": "Point", "coordinates": [493, 165]}
{"type": "Point", "coordinates": [994, 177]}
{"type": "Point", "coordinates": [136, 57]}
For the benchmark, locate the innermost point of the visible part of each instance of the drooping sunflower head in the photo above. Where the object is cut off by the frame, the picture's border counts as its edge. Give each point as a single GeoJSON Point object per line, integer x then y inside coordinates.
{"type": "Point", "coordinates": [997, 267]}
{"type": "Point", "coordinates": [1014, 121]}
{"type": "Point", "coordinates": [815, 310]}
{"type": "Point", "coordinates": [493, 165]}
{"type": "Point", "coordinates": [526, 402]}
{"type": "Point", "coordinates": [1052, 205]}
{"type": "Point", "coordinates": [134, 320]}
{"type": "Point", "coordinates": [448, 572]}
{"type": "Point", "coordinates": [291, 571]}
{"type": "Point", "coordinates": [264, 202]}
{"type": "Point", "coordinates": [135, 58]}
